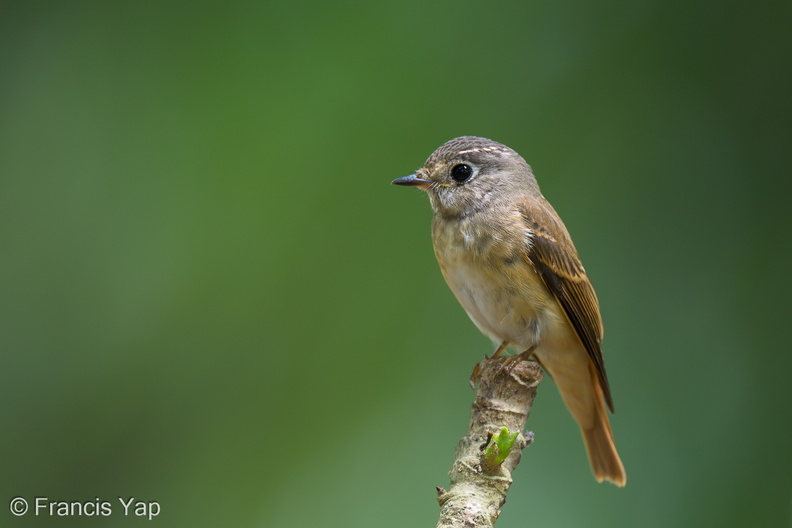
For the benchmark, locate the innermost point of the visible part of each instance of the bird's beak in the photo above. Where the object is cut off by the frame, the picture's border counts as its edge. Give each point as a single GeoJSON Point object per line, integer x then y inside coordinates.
{"type": "Point", "coordinates": [413, 180]}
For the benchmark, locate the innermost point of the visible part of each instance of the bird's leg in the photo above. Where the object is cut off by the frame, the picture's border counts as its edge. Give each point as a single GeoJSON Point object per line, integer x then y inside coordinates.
{"type": "Point", "coordinates": [509, 363]}
{"type": "Point", "coordinates": [495, 355]}
{"type": "Point", "coordinates": [499, 350]}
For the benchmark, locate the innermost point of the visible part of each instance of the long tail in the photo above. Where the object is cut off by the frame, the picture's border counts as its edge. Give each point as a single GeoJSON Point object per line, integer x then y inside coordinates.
{"type": "Point", "coordinates": [577, 381]}
{"type": "Point", "coordinates": [604, 459]}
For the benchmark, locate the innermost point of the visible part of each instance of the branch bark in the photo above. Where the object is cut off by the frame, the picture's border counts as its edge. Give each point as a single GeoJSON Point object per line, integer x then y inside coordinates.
{"type": "Point", "coordinates": [478, 488]}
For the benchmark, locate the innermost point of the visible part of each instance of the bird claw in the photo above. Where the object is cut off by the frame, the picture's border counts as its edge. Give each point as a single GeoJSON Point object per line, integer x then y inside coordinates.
{"type": "Point", "coordinates": [510, 362]}
{"type": "Point", "coordinates": [477, 367]}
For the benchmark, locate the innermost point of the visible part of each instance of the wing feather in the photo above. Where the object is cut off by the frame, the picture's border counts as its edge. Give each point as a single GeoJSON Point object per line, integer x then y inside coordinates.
{"type": "Point", "coordinates": [555, 259]}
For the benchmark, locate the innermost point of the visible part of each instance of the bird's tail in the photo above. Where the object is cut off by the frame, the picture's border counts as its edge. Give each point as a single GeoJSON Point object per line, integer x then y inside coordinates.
{"type": "Point", "coordinates": [604, 459]}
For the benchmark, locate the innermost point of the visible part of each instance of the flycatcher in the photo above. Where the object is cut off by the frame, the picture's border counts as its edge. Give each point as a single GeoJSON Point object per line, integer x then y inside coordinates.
{"type": "Point", "coordinates": [508, 258]}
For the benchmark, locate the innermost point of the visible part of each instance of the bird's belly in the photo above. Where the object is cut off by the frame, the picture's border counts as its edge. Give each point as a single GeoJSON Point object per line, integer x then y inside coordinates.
{"type": "Point", "coordinates": [507, 304]}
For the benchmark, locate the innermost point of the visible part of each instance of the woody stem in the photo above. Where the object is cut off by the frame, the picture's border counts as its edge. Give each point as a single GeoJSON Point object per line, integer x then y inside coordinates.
{"type": "Point", "coordinates": [478, 488]}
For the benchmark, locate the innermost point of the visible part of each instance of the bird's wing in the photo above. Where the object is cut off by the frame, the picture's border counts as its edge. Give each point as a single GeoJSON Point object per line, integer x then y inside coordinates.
{"type": "Point", "coordinates": [555, 259]}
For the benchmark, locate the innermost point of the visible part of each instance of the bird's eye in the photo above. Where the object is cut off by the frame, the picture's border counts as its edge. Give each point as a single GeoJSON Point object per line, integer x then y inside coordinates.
{"type": "Point", "coordinates": [461, 172]}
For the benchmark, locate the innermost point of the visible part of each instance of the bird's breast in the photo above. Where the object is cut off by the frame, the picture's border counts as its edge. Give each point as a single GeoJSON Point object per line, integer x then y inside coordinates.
{"type": "Point", "coordinates": [486, 266]}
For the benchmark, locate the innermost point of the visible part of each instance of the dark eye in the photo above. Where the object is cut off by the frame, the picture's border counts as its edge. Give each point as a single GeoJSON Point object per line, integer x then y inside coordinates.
{"type": "Point", "coordinates": [461, 172]}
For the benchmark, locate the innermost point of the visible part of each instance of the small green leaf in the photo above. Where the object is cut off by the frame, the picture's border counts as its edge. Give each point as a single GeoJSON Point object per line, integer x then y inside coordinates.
{"type": "Point", "coordinates": [499, 447]}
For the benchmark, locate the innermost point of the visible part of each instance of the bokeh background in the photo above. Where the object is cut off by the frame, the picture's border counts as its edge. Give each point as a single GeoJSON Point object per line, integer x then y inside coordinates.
{"type": "Point", "coordinates": [211, 297]}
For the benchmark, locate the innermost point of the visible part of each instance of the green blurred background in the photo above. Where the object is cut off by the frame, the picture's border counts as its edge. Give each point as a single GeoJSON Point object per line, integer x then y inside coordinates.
{"type": "Point", "coordinates": [211, 297]}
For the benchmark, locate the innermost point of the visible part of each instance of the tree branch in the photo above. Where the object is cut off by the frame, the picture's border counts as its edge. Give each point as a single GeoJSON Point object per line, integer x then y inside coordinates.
{"type": "Point", "coordinates": [479, 481]}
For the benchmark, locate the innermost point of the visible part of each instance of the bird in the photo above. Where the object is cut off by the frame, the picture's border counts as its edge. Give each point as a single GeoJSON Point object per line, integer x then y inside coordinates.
{"type": "Point", "coordinates": [510, 262]}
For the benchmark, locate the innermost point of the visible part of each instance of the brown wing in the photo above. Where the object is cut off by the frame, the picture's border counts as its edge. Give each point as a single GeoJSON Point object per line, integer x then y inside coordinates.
{"type": "Point", "coordinates": [555, 259]}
